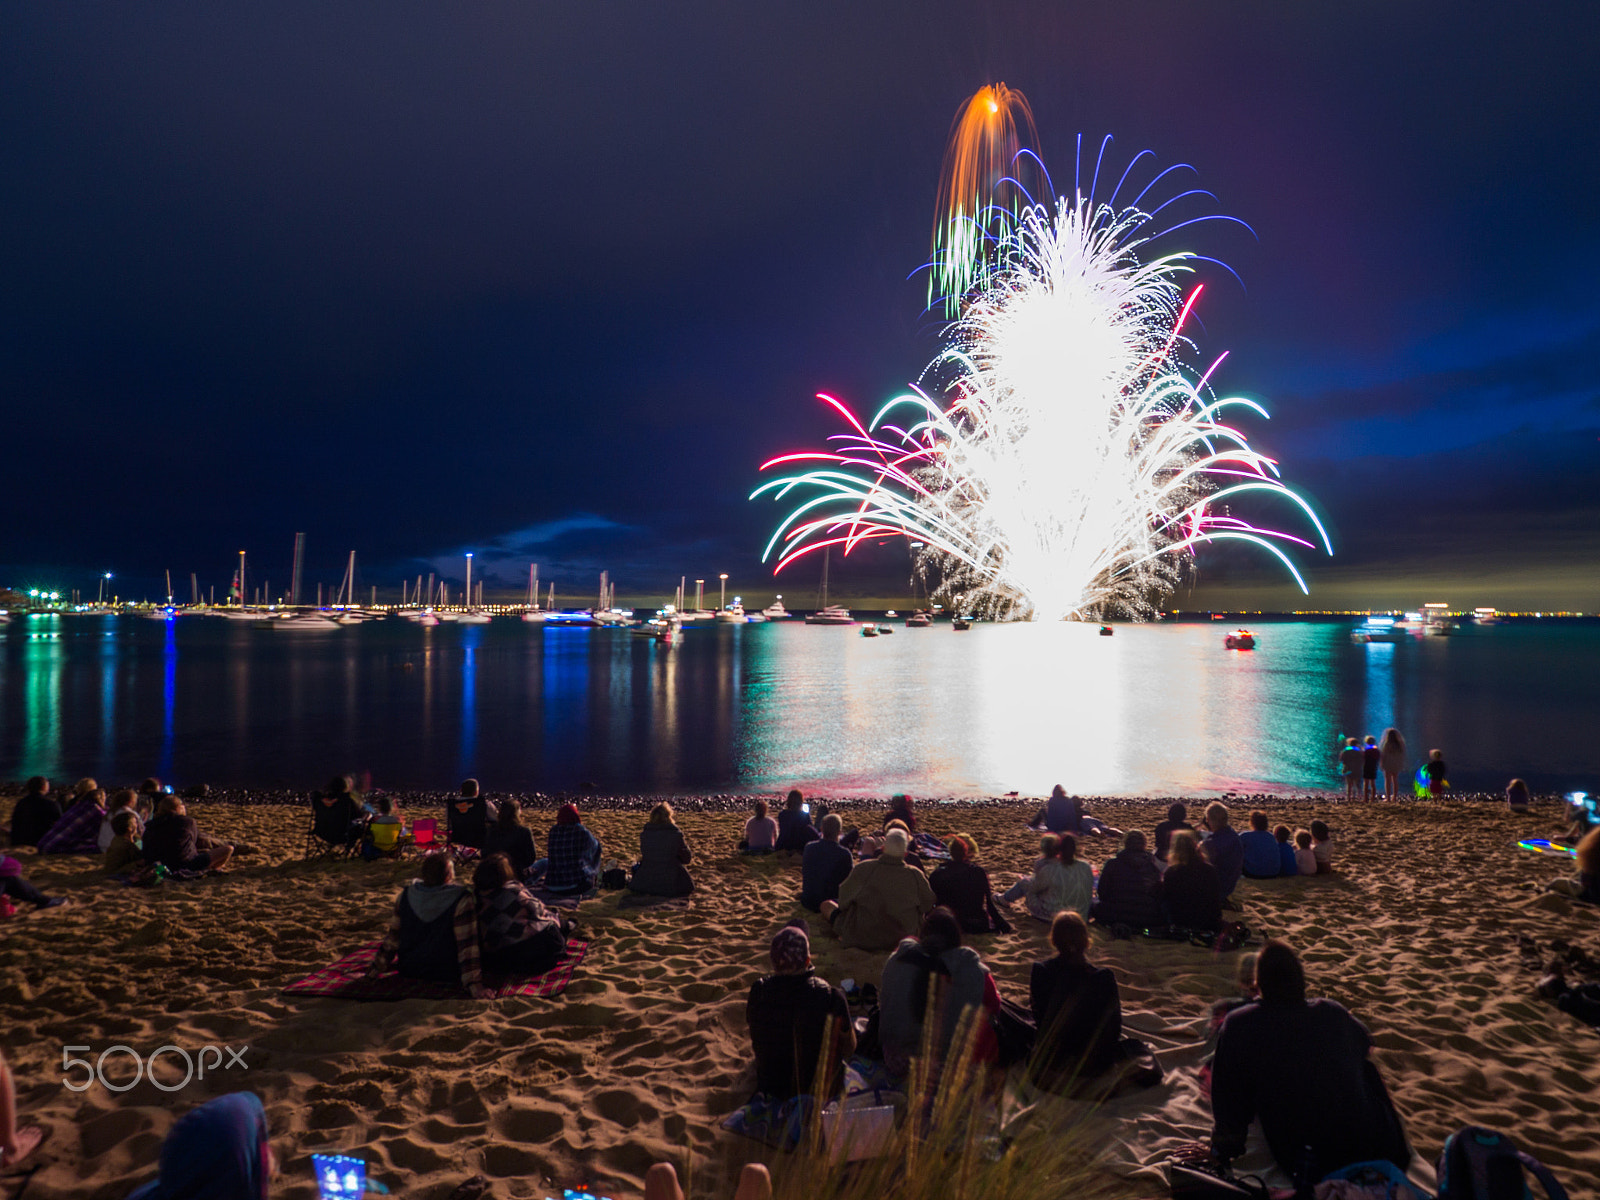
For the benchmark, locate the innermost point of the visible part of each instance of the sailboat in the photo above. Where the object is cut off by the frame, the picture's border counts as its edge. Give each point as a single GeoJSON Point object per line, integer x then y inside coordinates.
{"type": "Point", "coordinates": [829, 614]}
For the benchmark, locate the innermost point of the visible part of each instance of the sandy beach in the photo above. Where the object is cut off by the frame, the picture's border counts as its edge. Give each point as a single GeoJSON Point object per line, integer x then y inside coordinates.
{"type": "Point", "coordinates": [1430, 932]}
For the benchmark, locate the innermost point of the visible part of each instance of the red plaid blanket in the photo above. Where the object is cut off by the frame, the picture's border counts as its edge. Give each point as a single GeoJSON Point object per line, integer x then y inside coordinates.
{"type": "Point", "coordinates": [347, 980]}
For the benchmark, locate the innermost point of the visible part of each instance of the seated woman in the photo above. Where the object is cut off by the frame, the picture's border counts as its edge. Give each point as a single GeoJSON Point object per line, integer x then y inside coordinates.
{"type": "Point", "coordinates": [909, 984]}
{"type": "Point", "coordinates": [1517, 798]}
{"type": "Point", "coordinates": [1586, 887]}
{"type": "Point", "coordinates": [517, 933]}
{"type": "Point", "coordinates": [218, 1149]}
{"type": "Point", "coordinates": [34, 813]}
{"type": "Point", "coordinates": [433, 933]}
{"type": "Point", "coordinates": [572, 855]}
{"type": "Point", "coordinates": [962, 886]}
{"type": "Point", "coordinates": [509, 836]}
{"type": "Point", "coordinates": [122, 800]}
{"type": "Point", "coordinates": [1076, 1008]}
{"type": "Point", "coordinates": [1062, 882]}
{"type": "Point", "coordinates": [1191, 890]}
{"type": "Point", "coordinates": [795, 830]}
{"type": "Point", "coordinates": [14, 885]}
{"type": "Point", "coordinates": [900, 810]}
{"type": "Point", "coordinates": [1019, 889]}
{"type": "Point", "coordinates": [78, 830]}
{"type": "Point", "coordinates": [663, 853]}
{"type": "Point", "coordinates": [799, 1024]}
{"type": "Point", "coordinates": [126, 851]}
{"type": "Point", "coordinates": [760, 832]}
{"type": "Point", "coordinates": [1129, 890]}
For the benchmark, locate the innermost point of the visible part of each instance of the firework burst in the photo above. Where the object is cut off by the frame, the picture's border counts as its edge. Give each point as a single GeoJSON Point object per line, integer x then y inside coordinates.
{"type": "Point", "coordinates": [1074, 464]}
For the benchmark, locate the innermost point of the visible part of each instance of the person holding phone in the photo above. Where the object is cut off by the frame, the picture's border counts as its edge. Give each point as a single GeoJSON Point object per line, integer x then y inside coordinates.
{"type": "Point", "coordinates": [795, 830]}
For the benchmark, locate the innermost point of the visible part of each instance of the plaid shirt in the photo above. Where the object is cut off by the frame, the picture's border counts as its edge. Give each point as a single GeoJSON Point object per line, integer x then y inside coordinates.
{"type": "Point", "coordinates": [77, 832]}
{"type": "Point", "coordinates": [465, 926]}
{"type": "Point", "coordinates": [574, 855]}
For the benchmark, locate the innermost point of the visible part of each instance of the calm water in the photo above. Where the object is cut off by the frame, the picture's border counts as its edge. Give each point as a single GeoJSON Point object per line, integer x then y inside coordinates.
{"type": "Point", "coordinates": [1156, 709]}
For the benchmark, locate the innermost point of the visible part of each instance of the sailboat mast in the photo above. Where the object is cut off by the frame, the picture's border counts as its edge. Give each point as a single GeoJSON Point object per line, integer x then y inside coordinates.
{"type": "Point", "coordinates": [299, 565]}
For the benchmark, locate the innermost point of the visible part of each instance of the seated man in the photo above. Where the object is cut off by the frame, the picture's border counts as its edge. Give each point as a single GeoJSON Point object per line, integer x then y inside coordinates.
{"type": "Point", "coordinates": [1177, 821]}
{"type": "Point", "coordinates": [34, 813]}
{"type": "Point", "coordinates": [468, 817]}
{"type": "Point", "coordinates": [336, 814]}
{"type": "Point", "coordinates": [799, 1025]}
{"type": "Point", "coordinates": [172, 840]}
{"type": "Point", "coordinates": [1076, 1008]}
{"type": "Point", "coordinates": [433, 933]}
{"type": "Point", "coordinates": [795, 830]}
{"type": "Point", "coordinates": [824, 865]}
{"type": "Point", "coordinates": [1129, 888]}
{"type": "Point", "coordinates": [1223, 850]}
{"type": "Point", "coordinates": [881, 900]}
{"type": "Point", "coordinates": [572, 854]}
{"type": "Point", "coordinates": [1262, 859]}
{"type": "Point", "coordinates": [1302, 1068]}
{"type": "Point", "coordinates": [934, 975]}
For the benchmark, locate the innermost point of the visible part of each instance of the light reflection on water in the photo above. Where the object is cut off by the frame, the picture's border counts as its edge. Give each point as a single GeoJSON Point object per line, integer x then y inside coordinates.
{"type": "Point", "coordinates": [1155, 709]}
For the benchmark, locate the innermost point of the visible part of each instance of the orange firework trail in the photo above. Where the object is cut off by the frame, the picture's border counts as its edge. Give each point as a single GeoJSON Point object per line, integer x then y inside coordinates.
{"type": "Point", "coordinates": [984, 141]}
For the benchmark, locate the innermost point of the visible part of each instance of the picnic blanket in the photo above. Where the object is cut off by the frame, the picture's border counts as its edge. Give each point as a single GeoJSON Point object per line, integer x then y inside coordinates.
{"type": "Point", "coordinates": [347, 980]}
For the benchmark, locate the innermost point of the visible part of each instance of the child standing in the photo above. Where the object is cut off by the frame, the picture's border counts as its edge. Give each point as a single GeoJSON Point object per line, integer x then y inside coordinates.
{"type": "Point", "coordinates": [1438, 773]}
{"type": "Point", "coordinates": [1351, 759]}
{"type": "Point", "coordinates": [1370, 754]}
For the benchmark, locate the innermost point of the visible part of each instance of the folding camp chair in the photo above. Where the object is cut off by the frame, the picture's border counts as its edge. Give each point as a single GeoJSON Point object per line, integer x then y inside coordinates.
{"type": "Point", "coordinates": [467, 830]}
{"type": "Point", "coordinates": [336, 827]}
{"type": "Point", "coordinates": [425, 834]}
{"type": "Point", "coordinates": [384, 838]}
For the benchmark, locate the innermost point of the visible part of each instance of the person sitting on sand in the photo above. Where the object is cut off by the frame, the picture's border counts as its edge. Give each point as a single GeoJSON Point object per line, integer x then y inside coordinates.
{"type": "Point", "coordinates": [1129, 889]}
{"type": "Point", "coordinates": [1351, 760]}
{"type": "Point", "coordinates": [900, 809]}
{"type": "Point", "coordinates": [1177, 818]}
{"type": "Point", "coordinates": [1305, 858]}
{"type": "Point", "coordinates": [1261, 859]}
{"type": "Point", "coordinates": [1322, 847]}
{"type": "Point", "coordinates": [963, 984]}
{"type": "Point", "coordinates": [1223, 849]}
{"type": "Point", "coordinates": [1331, 1110]}
{"type": "Point", "coordinates": [173, 840]}
{"type": "Point", "coordinates": [799, 1024]}
{"type": "Point", "coordinates": [760, 832]}
{"type": "Point", "coordinates": [126, 851]}
{"type": "Point", "coordinates": [336, 815]}
{"type": "Point", "coordinates": [78, 829]}
{"type": "Point", "coordinates": [1370, 757]}
{"type": "Point", "coordinates": [1586, 887]}
{"type": "Point", "coordinates": [509, 836]}
{"type": "Point", "coordinates": [1190, 890]}
{"type": "Point", "coordinates": [572, 855]}
{"type": "Point", "coordinates": [663, 857]}
{"type": "Point", "coordinates": [122, 800]}
{"type": "Point", "coordinates": [433, 932]}
{"type": "Point", "coordinates": [150, 793]}
{"type": "Point", "coordinates": [1438, 774]}
{"type": "Point", "coordinates": [1019, 889]}
{"type": "Point", "coordinates": [218, 1150]}
{"type": "Point", "coordinates": [1062, 882]}
{"type": "Point", "coordinates": [517, 934]}
{"type": "Point", "coordinates": [795, 830]}
{"type": "Point", "coordinates": [1392, 761]}
{"type": "Point", "coordinates": [1076, 1008]}
{"type": "Point", "coordinates": [34, 813]}
{"type": "Point", "coordinates": [962, 886]}
{"type": "Point", "coordinates": [1517, 798]}
{"type": "Point", "coordinates": [1059, 814]}
{"type": "Point", "coordinates": [467, 818]}
{"type": "Point", "coordinates": [824, 866]}
{"type": "Point", "coordinates": [1245, 977]}
{"type": "Point", "coordinates": [881, 900]}
{"type": "Point", "coordinates": [15, 1144]}
{"type": "Point", "coordinates": [1285, 839]}
{"type": "Point", "coordinates": [14, 885]}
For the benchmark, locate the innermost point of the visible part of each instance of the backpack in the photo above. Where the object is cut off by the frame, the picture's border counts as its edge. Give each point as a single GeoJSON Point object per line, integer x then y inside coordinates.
{"type": "Point", "coordinates": [1480, 1164]}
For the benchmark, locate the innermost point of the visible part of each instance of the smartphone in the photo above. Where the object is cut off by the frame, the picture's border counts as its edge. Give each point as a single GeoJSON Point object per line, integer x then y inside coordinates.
{"type": "Point", "coordinates": [339, 1177]}
{"type": "Point", "coordinates": [575, 1194]}
{"type": "Point", "coordinates": [806, 808]}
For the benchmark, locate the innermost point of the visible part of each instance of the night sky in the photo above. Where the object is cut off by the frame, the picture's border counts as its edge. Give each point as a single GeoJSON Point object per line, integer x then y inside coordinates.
{"type": "Point", "coordinates": [549, 282]}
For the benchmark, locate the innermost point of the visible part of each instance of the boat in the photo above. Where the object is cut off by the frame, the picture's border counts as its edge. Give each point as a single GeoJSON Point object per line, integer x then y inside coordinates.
{"type": "Point", "coordinates": [1106, 631]}
{"type": "Point", "coordinates": [474, 617]}
{"type": "Point", "coordinates": [536, 616]}
{"type": "Point", "coordinates": [570, 616]}
{"type": "Point", "coordinates": [891, 614]}
{"type": "Point", "coordinates": [1485, 616]}
{"type": "Point", "coordinates": [834, 614]}
{"type": "Point", "coordinates": [1437, 621]}
{"type": "Point", "coordinates": [305, 623]}
{"type": "Point", "coordinates": [885, 629]}
{"type": "Point", "coordinates": [776, 611]}
{"type": "Point", "coordinates": [1378, 629]}
{"type": "Point", "coordinates": [734, 613]}
{"type": "Point", "coordinates": [869, 630]}
{"type": "Point", "coordinates": [348, 619]}
{"type": "Point", "coordinates": [960, 623]}
{"type": "Point", "coordinates": [665, 626]}
{"type": "Point", "coordinates": [428, 617]}
{"type": "Point", "coordinates": [919, 620]}
{"type": "Point", "coordinates": [1240, 639]}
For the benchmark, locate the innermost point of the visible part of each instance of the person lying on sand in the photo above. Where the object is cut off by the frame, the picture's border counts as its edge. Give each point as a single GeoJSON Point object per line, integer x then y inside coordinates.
{"type": "Point", "coordinates": [1076, 1008]}
{"type": "Point", "coordinates": [219, 1149]}
{"type": "Point", "coordinates": [15, 1144]}
{"type": "Point", "coordinates": [799, 1024]}
{"type": "Point", "coordinates": [13, 884]}
{"type": "Point", "coordinates": [881, 900]}
{"type": "Point", "coordinates": [517, 934]}
{"type": "Point", "coordinates": [173, 840]}
{"type": "Point", "coordinates": [1303, 1069]}
{"type": "Point", "coordinates": [433, 933]}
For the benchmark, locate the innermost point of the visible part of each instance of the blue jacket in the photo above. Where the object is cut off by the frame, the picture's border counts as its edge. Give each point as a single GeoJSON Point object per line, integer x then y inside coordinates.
{"type": "Point", "coordinates": [1261, 858]}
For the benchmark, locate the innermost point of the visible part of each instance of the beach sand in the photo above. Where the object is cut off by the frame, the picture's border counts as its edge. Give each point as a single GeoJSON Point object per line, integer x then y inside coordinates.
{"type": "Point", "coordinates": [644, 1054]}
